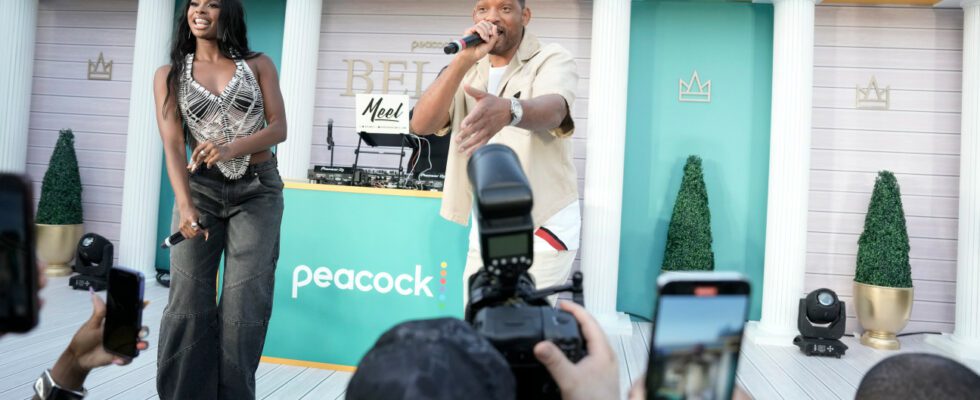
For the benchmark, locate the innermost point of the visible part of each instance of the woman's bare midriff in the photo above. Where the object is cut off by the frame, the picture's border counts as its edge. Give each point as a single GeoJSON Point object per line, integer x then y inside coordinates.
{"type": "Point", "coordinates": [262, 156]}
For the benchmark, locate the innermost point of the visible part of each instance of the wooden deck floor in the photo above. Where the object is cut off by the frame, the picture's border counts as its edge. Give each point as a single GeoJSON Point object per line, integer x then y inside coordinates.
{"type": "Point", "coordinates": [777, 372]}
{"type": "Point", "coordinates": [766, 372]}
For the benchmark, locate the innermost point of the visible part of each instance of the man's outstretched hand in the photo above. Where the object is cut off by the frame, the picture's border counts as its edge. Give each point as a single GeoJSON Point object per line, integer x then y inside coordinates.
{"type": "Point", "coordinates": [490, 115]}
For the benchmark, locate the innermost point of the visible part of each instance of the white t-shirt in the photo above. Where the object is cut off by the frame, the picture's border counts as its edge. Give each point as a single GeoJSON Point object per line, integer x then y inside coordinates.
{"type": "Point", "coordinates": [566, 225]}
{"type": "Point", "coordinates": [496, 74]}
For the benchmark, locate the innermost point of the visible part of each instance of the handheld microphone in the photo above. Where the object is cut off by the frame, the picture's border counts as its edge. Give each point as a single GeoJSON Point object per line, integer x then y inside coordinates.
{"type": "Point", "coordinates": [463, 43]}
{"type": "Point", "coordinates": [172, 240]}
{"type": "Point", "coordinates": [177, 237]}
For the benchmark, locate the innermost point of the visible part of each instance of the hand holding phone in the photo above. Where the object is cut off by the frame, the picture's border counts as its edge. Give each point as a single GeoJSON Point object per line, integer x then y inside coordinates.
{"type": "Point", "coordinates": [85, 351]}
{"type": "Point", "coordinates": [697, 335]}
{"type": "Point", "coordinates": [19, 275]}
{"type": "Point", "coordinates": [124, 316]}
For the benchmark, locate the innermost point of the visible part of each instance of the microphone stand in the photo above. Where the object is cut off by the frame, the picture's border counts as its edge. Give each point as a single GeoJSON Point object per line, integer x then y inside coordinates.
{"type": "Point", "coordinates": [330, 139]}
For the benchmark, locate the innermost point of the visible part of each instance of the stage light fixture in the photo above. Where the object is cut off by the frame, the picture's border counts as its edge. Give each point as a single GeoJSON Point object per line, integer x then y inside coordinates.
{"type": "Point", "coordinates": [821, 323]}
{"type": "Point", "coordinates": [93, 259]}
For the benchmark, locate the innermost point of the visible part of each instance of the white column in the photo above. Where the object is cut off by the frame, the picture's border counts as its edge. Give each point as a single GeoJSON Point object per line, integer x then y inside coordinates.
{"type": "Point", "coordinates": [965, 340]}
{"type": "Point", "coordinates": [17, 46]}
{"type": "Point", "coordinates": [603, 200]}
{"type": "Point", "coordinates": [297, 79]}
{"type": "Point", "coordinates": [144, 149]}
{"type": "Point", "coordinates": [789, 171]}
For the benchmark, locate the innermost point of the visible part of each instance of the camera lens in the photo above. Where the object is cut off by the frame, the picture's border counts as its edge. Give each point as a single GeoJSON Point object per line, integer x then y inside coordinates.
{"type": "Point", "coordinates": [825, 298]}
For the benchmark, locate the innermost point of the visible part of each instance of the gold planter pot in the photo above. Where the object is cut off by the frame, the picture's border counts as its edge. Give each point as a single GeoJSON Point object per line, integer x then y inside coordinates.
{"type": "Point", "coordinates": [56, 245]}
{"type": "Point", "coordinates": [882, 312]}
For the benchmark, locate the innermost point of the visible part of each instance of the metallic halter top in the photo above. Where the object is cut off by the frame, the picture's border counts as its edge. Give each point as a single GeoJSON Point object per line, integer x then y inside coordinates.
{"type": "Point", "coordinates": [237, 112]}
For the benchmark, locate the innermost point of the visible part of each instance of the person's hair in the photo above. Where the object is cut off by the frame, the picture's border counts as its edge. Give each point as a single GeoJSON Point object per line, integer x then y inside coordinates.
{"type": "Point", "coordinates": [521, 2]}
{"type": "Point", "coordinates": [918, 376]}
{"type": "Point", "coordinates": [232, 41]}
{"type": "Point", "coordinates": [401, 365]}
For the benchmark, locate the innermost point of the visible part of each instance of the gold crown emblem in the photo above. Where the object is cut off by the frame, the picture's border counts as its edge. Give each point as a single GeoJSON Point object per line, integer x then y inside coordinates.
{"type": "Point", "coordinates": [100, 70]}
{"type": "Point", "coordinates": [701, 94]}
{"type": "Point", "coordinates": [872, 97]}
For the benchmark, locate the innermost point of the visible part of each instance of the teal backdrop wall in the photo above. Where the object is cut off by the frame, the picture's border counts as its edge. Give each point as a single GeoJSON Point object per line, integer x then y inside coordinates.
{"type": "Point", "coordinates": [729, 44]}
{"type": "Point", "coordinates": [264, 19]}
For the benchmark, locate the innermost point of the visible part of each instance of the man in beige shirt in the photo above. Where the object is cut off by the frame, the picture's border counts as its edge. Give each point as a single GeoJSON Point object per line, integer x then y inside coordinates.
{"type": "Point", "coordinates": [511, 90]}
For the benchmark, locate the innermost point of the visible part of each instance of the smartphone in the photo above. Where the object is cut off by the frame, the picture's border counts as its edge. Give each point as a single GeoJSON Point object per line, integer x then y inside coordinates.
{"type": "Point", "coordinates": [697, 334]}
{"type": "Point", "coordinates": [18, 268]}
{"type": "Point", "coordinates": [124, 312]}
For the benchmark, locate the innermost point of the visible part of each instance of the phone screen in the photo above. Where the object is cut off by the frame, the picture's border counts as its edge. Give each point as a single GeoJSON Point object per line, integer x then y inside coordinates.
{"type": "Point", "coordinates": [18, 282]}
{"type": "Point", "coordinates": [696, 341]}
{"type": "Point", "coordinates": [124, 311]}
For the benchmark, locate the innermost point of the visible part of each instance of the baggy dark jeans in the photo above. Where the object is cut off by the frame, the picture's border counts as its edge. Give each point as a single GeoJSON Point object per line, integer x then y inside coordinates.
{"type": "Point", "coordinates": [210, 348]}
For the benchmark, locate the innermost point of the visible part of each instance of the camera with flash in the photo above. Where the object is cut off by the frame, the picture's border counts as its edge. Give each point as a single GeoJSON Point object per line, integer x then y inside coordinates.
{"type": "Point", "coordinates": [505, 307]}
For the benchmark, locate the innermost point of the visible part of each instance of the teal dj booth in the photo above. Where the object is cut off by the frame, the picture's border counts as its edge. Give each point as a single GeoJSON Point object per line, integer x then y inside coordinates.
{"type": "Point", "coordinates": [354, 262]}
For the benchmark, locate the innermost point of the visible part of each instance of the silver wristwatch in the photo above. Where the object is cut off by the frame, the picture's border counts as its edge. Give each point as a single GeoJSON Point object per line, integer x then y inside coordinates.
{"type": "Point", "coordinates": [516, 112]}
{"type": "Point", "coordinates": [47, 389]}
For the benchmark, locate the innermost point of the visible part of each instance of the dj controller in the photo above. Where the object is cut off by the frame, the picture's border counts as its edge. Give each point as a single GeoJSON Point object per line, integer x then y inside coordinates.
{"type": "Point", "coordinates": [390, 178]}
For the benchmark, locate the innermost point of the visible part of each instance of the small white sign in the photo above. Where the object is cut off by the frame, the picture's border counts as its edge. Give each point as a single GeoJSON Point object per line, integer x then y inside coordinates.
{"type": "Point", "coordinates": [381, 113]}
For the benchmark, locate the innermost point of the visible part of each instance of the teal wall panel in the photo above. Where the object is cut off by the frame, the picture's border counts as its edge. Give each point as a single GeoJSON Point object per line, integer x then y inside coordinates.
{"type": "Point", "coordinates": [729, 44]}
{"type": "Point", "coordinates": [265, 20]}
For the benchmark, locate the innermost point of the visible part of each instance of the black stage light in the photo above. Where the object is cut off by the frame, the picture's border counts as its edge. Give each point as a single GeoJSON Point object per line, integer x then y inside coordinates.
{"type": "Point", "coordinates": [93, 259]}
{"type": "Point", "coordinates": [821, 322]}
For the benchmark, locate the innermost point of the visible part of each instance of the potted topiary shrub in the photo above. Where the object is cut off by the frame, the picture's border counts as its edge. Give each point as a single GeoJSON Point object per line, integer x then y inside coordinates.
{"type": "Point", "coordinates": [883, 277]}
{"type": "Point", "coordinates": [59, 213]}
{"type": "Point", "coordinates": [689, 232]}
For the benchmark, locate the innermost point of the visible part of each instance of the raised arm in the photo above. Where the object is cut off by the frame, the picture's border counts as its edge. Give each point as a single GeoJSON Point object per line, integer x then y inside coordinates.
{"type": "Point", "coordinates": [432, 110]}
{"type": "Point", "coordinates": [548, 111]}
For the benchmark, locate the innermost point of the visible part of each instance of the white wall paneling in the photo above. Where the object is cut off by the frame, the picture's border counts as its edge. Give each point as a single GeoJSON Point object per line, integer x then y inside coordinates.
{"type": "Point", "coordinates": [917, 52]}
{"type": "Point", "coordinates": [69, 34]}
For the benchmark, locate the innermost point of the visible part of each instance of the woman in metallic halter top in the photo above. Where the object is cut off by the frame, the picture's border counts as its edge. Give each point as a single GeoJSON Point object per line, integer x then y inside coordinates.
{"type": "Point", "coordinates": [222, 100]}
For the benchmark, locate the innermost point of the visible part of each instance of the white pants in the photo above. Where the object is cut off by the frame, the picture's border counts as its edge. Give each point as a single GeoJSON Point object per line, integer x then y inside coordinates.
{"type": "Point", "coordinates": [551, 267]}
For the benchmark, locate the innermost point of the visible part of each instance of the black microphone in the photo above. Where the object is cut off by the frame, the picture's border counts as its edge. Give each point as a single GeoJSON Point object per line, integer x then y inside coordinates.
{"type": "Point", "coordinates": [202, 222]}
{"type": "Point", "coordinates": [330, 134]}
{"type": "Point", "coordinates": [463, 43]}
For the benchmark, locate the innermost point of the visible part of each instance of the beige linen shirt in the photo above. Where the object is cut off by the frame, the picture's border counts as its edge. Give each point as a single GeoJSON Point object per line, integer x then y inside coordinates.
{"type": "Point", "coordinates": [546, 156]}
